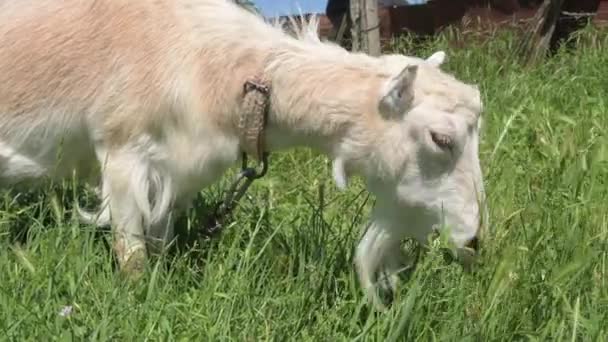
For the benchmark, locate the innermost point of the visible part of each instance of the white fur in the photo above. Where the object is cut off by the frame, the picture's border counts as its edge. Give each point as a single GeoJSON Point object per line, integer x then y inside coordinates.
{"type": "Point", "coordinates": [150, 92]}
{"type": "Point", "coordinates": [339, 173]}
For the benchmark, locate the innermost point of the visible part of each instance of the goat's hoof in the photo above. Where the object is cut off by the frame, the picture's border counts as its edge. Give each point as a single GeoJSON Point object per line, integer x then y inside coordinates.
{"type": "Point", "coordinates": [133, 264]}
{"type": "Point", "coordinates": [385, 291]}
{"type": "Point", "coordinates": [387, 288]}
{"type": "Point", "coordinates": [467, 257]}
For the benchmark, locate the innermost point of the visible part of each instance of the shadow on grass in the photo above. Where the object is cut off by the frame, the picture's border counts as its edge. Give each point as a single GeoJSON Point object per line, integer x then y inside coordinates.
{"type": "Point", "coordinates": [27, 212]}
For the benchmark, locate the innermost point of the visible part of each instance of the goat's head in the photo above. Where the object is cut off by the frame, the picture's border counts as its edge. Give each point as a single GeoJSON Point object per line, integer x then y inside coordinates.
{"type": "Point", "coordinates": [421, 163]}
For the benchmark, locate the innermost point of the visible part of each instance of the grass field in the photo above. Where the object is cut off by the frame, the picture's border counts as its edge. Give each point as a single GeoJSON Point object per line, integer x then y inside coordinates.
{"type": "Point", "coordinates": [283, 270]}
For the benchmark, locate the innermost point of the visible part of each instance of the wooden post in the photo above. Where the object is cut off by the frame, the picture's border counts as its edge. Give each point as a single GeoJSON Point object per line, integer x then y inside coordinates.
{"type": "Point", "coordinates": [371, 25]}
{"type": "Point", "coordinates": [355, 29]}
{"type": "Point", "coordinates": [536, 43]}
{"type": "Point", "coordinates": [365, 26]}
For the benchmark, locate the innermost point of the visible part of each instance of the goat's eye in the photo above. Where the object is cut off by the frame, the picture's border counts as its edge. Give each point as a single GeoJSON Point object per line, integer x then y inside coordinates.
{"type": "Point", "coordinates": [444, 141]}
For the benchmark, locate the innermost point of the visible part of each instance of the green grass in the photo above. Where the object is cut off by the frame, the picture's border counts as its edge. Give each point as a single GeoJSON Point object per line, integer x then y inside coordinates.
{"type": "Point", "coordinates": [284, 271]}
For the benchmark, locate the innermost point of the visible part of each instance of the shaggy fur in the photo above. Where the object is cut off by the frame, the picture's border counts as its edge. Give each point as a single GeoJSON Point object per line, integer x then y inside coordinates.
{"type": "Point", "coordinates": [150, 91]}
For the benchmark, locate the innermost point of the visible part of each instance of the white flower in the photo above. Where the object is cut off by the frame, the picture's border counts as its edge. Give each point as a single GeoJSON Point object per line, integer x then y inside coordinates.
{"type": "Point", "coordinates": [66, 311]}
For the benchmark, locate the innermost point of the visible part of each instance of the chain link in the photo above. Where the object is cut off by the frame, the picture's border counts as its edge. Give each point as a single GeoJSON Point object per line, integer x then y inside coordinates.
{"type": "Point", "coordinates": [239, 186]}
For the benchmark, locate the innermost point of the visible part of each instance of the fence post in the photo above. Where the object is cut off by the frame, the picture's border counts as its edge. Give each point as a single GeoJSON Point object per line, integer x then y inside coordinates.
{"type": "Point", "coordinates": [536, 43]}
{"type": "Point", "coordinates": [365, 29]}
{"type": "Point", "coordinates": [355, 28]}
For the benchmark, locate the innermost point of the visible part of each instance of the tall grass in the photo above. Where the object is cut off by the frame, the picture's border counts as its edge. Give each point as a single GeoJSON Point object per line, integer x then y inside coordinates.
{"type": "Point", "coordinates": [283, 269]}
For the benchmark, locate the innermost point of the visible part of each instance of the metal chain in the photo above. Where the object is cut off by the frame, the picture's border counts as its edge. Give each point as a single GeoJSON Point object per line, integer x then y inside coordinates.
{"type": "Point", "coordinates": [251, 125]}
{"type": "Point", "coordinates": [237, 189]}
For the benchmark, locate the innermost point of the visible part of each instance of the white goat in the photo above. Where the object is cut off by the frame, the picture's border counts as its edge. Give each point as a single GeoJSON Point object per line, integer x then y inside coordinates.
{"type": "Point", "coordinates": [151, 92]}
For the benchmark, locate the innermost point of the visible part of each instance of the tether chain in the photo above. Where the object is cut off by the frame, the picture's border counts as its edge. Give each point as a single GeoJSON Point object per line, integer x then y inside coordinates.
{"type": "Point", "coordinates": [251, 126]}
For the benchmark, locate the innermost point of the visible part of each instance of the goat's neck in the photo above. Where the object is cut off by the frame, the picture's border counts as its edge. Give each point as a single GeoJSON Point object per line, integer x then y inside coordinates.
{"type": "Point", "coordinates": [321, 111]}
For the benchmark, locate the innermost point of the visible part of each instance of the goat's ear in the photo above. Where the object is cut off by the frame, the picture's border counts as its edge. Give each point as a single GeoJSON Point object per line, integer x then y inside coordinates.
{"type": "Point", "coordinates": [436, 59]}
{"type": "Point", "coordinates": [398, 93]}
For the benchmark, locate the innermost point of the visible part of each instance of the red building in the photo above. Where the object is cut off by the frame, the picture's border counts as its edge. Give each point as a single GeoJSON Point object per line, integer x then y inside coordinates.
{"type": "Point", "coordinates": [473, 14]}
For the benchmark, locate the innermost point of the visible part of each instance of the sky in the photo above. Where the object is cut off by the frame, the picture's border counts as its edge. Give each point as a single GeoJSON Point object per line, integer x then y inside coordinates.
{"type": "Point", "coordinates": [273, 8]}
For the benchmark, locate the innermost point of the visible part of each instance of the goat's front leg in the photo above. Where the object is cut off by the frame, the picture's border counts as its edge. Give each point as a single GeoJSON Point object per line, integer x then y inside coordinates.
{"type": "Point", "coordinates": [395, 264]}
{"type": "Point", "coordinates": [124, 176]}
{"type": "Point", "coordinates": [379, 252]}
